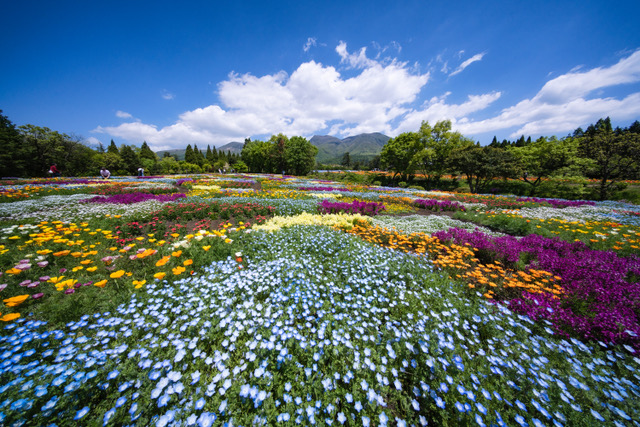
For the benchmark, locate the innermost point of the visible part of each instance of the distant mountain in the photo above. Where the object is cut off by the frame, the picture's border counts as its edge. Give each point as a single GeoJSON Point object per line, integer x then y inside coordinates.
{"type": "Point", "coordinates": [361, 147]}
{"type": "Point", "coordinates": [234, 147]}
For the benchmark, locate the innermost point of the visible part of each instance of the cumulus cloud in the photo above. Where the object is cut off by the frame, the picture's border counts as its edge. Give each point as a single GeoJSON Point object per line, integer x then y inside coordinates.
{"type": "Point", "coordinates": [475, 58]}
{"type": "Point", "coordinates": [383, 96]}
{"type": "Point", "coordinates": [123, 115]}
{"type": "Point", "coordinates": [313, 98]}
{"type": "Point", "coordinates": [563, 103]}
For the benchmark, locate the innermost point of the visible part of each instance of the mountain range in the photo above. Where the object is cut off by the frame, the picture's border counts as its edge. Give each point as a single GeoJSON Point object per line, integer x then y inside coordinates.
{"type": "Point", "coordinates": [361, 147]}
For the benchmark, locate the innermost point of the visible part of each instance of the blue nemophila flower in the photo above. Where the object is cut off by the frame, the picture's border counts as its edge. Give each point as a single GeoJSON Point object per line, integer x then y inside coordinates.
{"type": "Point", "coordinates": [341, 417]}
{"type": "Point", "coordinates": [81, 413]}
{"type": "Point", "coordinates": [113, 374]}
{"type": "Point", "coordinates": [107, 416]}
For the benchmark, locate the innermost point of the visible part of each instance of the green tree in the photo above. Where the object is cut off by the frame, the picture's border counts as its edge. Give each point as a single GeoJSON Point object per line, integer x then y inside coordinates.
{"type": "Point", "coordinates": [13, 159]}
{"type": "Point", "coordinates": [481, 165]}
{"type": "Point", "coordinates": [543, 158]}
{"type": "Point", "coordinates": [346, 159]}
{"type": "Point", "coordinates": [615, 155]}
{"type": "Point", "coordinates": [255, 154]}
{"type": "Point", "coordinates": [240, 167]}
{"type": "Point", "coordinates": [437, 144]}
{"type": "Point", "coordinates": [147, 153]}
{"type": "Point", "coordinates": [130, 160]}
{"type": "Point", "coordinates": [398, 154]}
{"type": "Point", "coordinates": [190, 156]}
{"type": "Point", "coordinates": [277, 155]}
{"type": "Point", "coordinates": [300, 156]}
{"type": "Point", "coordinates": [113, 148]}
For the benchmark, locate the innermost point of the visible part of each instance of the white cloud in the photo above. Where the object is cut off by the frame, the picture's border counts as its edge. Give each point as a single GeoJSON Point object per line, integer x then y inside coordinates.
{"type": "Point", "coordinates": [355, 60]}
{"type": "Point", "coordinates": [382, 96]}
{"type": "Point", "coordinates": [563, 103]}
{"type": "Point", "coordinates": [475, 58]}
{"type": "Point", "coordinates": [311, 41]}
{"type": "Point", "coordinates": [167, 95]}
{"type": "Point", "coordinates": [313, 98]}
{"type": "Point", "coordinates": [123, 115]}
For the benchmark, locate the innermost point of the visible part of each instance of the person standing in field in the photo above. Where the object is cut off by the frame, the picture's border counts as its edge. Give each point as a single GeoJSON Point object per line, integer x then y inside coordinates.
{"type": "Point", "coordinates": [54, 171]}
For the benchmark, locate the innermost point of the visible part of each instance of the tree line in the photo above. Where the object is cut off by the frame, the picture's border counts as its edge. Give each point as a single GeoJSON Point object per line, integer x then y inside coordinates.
{"type": "Point", "coordinates": [600, 152]}
{"type": "Point", "coordinates": [29, 151]}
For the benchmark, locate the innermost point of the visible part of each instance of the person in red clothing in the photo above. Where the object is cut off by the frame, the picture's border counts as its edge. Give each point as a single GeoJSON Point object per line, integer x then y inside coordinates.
{"type": "Point", "coordinates": [53, 170]}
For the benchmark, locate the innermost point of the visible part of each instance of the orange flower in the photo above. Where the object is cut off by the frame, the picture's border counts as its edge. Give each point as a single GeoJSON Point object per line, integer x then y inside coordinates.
{"type": "Point", "coordinates": [187, 262]}
{"type": "Point", "coordinates": [163, 261]}
{"type": "Point", "coordinates": [160, 275]}
{"type": "Point", "coordinates": [117, 274]}
{"type": "Point", "coordinates": [101, 283]}
{"type": "Point", "coordinates": [9, 317]}
{"type": "Point", "coordinates": [176, 253]}
{"type": "Point", "coordinates": [178, 270]}
{"type": "Point", "coordinates": [17, 300]}
{"type": "Point", "coordinates": [14, 271]}
{"type": "Point", "coordinates": [62, 253]}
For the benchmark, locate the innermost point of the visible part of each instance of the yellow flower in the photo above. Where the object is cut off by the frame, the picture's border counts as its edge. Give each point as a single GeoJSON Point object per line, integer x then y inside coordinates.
{"type": "Point", "coordinates": [206, 248]}
{"type": "Point", "coordinates": [160, 275]}
{"type": "Point", "coordinates": [86, 261]}
{"type": "Point", "coordinates": [138, 283]}
{"type": "Point", "coordinates": [187, 262]}
{"type": "Point", "coordinates": [55, 279]}
{"type": "Point", "coordinates": [44, 252]}
{"type": "Point", "coordinates": [92, 269]}
{"type": "Point", "coordinates": [14, 271]}
{"type": "Point", "coordinates": [101, 283]}
{"type": "Point", "coordinates": [175, 235]}
{"type": "Point", "coordinates": [74, 269]}
{"type": "Point", "coordinates": [117, 274]}
{"type": "Point", "coordinates": [62, 253]}
{"type": "Point", "coordinates": [176, 253]}
{"type": "Point", "coordinates": [228, 240]}
{"type": "Point", "coordinates": [9, 317]}
{"type": "Point", "coordinates": [178, 270]}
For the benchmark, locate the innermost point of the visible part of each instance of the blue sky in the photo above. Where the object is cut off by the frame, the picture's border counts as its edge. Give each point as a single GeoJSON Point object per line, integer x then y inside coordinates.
{"type": "Point", "coordinates": [213, 72]}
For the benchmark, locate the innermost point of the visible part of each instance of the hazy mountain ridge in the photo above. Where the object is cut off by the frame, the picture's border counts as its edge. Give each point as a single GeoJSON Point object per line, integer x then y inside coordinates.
{"type": "Point", "coordinates": [362, 147]}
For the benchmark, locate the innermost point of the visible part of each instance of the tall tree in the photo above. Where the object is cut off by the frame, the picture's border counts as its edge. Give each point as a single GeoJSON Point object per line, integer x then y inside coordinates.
{"type": "Point", "coordinates": [300, 156]}
{"type": "Point", "coordinates": [147, 153]}
{"type": "Point", "coordinates": [346, 159]}
{"type": "Point", "coordinates": [398, 154]}
{"type": "Point", "coordinates": [13, 160]}
{"type": "Point", "coordinates": [190, 156]}
{"type": "Point", "coordinates": [481, 165]}
{"type": "Point", "coordinates": [130, 159]}
{"type": "Point", "coordinates": [113, 148]}
{"type": "Point", "coordinates": [437, 144]}
{"type": "Point", "coordinates": [615, 155]}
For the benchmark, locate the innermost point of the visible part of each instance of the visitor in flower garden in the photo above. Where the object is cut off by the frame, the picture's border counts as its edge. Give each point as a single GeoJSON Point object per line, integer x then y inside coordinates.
{"type": "Point", "coordinates": [54, 171]}
{"type": "Point", "coordinates": [140, 172]}
{"type": "Point", "coordinates": [105, 173]}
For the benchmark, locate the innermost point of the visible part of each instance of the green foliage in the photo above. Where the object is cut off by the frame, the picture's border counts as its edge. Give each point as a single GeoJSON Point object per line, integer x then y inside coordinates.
{"type": "Point", "coordinates": [398, 155]}
{"type": "Point", "coordinates": [481, 165]}
{"type": "Point", "coordinates": [437, 144]}
{"type": "Point", "coordinates": [615, 154]}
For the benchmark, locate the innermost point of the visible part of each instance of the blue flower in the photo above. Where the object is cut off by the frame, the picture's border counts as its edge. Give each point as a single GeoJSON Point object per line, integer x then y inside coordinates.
{"type": "Point", "coordinates": [81, 413]}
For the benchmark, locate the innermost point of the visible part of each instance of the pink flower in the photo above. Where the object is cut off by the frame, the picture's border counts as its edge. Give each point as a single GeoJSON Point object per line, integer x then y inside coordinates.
{"type": "Point", "coordinates": [37, 296]}
{"type": "Point", "coordinates": [25, 282]}
{"type": "Point", "coordinates": [4, 285]}
{"type": "Point", "coordinates": [63, 270]}
{"type": "Point", "coordinates": [69, 291]}
{"type": "Point", "coordinates": [43, 264]}
{"type": "Point", "coordinates": [44, 278]}
{"type": "Point", "coordinates": [23, 266]}
{"type": "Point", "coordinates": [33, 284]}
{"type": "Point", "coordinates": [133, 257]}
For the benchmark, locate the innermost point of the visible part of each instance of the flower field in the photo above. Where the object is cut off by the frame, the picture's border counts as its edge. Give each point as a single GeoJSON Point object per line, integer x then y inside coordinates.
{"type": "Point", "coordinates": [267, 300]}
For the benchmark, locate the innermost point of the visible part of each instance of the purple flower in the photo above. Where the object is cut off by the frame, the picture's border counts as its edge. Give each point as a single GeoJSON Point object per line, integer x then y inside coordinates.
{"type": "Point", "coordinates": [355, 207]}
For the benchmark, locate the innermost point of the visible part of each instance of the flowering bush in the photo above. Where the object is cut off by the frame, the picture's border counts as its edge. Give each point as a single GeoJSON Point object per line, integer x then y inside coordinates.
{"type": "Point", "coordinates": [130, 198]}
{"type": "Point", "coordinates": [439, 205]}
{"type": "Point", "coordinates": [355, 207]}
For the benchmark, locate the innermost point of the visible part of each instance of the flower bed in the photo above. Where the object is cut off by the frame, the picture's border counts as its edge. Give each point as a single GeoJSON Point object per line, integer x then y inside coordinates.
{"type": "Point", "coordinates": [355, 207]}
